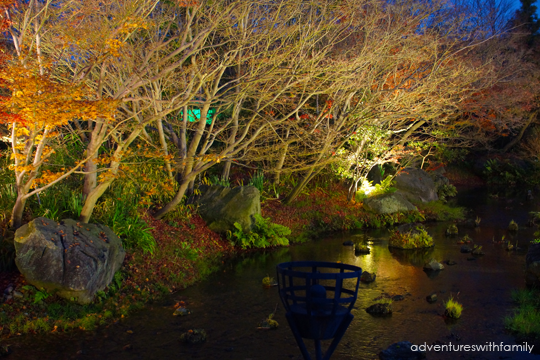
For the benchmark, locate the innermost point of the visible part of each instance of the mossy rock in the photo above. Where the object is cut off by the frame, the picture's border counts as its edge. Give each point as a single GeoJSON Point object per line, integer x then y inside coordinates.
{"type": "Point", "coordinates": [221, 207]}
{"type": "Point", "coordinates": [411, 237]}
{"type": "Point", "coordinates": [452, 230]}
{"type": "Point", "coordinates": [388, 204]}
{"type": "Point", "coordinates": [72, 259]}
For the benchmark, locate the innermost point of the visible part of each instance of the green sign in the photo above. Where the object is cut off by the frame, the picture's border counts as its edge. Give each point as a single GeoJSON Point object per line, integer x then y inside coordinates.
{"type": "Point", "coordinates": [195, 115]}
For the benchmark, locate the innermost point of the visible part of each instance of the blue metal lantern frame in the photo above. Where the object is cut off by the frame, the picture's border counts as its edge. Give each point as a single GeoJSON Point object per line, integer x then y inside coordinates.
{"type": "Point", "coordinates": [311, 313]}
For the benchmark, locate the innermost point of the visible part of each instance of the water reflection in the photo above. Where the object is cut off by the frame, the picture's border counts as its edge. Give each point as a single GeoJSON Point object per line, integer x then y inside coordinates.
{"type": "Point", "coordinates": [412, 257]}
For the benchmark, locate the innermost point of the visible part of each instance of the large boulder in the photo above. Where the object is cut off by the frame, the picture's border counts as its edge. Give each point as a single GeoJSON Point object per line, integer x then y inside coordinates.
{"type": "Point", "coordinates": [220, 207]}
{"type": "Point", "coordinates": [68, 258]}
{"type": "Point", "coordinates": [416, 185]}
{"type": "Point", "coordinates": [388, 203]}
{"type": "Point", "coordinates": [439, 179]}
{"type": "Point", "coordinates": [532, 261]}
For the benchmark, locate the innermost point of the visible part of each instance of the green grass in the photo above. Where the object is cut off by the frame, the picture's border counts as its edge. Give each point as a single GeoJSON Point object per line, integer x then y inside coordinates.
{"type": "Point", "coordinates": [441, 211]}
{"type": "Point", "coordinates": [453, 309]}
{"type": "Point", "coordinates": [525, 321]}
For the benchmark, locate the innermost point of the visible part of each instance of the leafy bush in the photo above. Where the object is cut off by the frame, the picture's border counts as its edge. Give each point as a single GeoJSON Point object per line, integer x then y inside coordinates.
{"type": "Point", "coordinates": [445, 191]}
{"type": "Point", "coordinates": [384, 187]}
{"type": "Point", "coordinates": [265, 233]}
{"type": "Point", "coordinates": [414, 239]}
{"type": "Point", "coordinates": [367, 190]}
{"type": "Point", "coordinates": [453, 309]}
{"type": "Point", "coordinates": [505, 172]}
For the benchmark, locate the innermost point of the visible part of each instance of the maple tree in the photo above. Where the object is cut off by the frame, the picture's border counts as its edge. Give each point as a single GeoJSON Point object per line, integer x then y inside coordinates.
{"type": "Point", "coordinates": [38, 106]}
{"type": "Point", "coordinates": [291, 86]}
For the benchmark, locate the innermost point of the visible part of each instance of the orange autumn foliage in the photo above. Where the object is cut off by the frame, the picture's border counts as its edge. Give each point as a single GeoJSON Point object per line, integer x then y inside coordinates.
{"type": "Point", "coordinates": [39, 100]}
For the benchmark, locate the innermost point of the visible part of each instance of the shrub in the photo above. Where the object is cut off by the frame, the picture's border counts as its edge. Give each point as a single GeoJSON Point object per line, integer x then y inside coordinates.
{"type": "Point", "coordinates": [385, 187]}
{"type": "Point", "coordinates": [526, 318]}
{"type": "Point", "coordinates": [445, 191]}
{"type": "Point", "coordinates": [265, 233]}
{"type": "Point", "coordinates": [414, 239]}
{"type": "Point", "coordinates": [453, 308]}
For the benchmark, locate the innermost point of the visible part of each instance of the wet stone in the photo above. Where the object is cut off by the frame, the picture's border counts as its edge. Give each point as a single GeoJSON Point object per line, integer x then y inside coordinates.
{"type": "Point", "coordinates": [401, 351]}
{"type": "Point", "coordinates": [431, 298]}
{"type": "Point", "coordinates": [450, 262]}
{"type": "Point", "coordinates": [361, 251]}
{"type": "Point", "coordinates": [367, 277]}
{"type": "Point", "coordinates": [17, 294]}
{"type": "Point", "coordinates": [196, 336]}
{"type": "Point", "coordinates": [433, 265]}
{"type": "Point", "coordinates": [181, 311]}
{"type": "Point", "coordinates": [380, 309]}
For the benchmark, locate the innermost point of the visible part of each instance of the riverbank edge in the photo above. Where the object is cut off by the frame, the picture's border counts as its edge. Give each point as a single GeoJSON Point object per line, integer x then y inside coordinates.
{"type": "Point", "coordinates": [187, 252]}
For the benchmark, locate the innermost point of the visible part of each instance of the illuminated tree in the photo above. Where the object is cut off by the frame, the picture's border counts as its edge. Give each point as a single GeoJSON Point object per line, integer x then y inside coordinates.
{"type": "Point", "coordinates": [38, 105]}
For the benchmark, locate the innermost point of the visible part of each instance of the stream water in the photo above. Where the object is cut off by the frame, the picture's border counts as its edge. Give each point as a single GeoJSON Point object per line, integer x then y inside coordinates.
{"type": "Point", "coordinates": [230, 303]}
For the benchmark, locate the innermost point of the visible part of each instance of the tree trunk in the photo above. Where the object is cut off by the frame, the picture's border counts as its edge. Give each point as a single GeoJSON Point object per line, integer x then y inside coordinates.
{"type": "Point", "coordinates": [409, 132]}
{"type": "Point", "coordinates": [299, 187]}
{"type": "Point", "coordinates": [226, 170]}
{"type": "Point", "coordinates": [91, 199]}
{"type": "Point", "coordinates": [94, 195]}
{"type": "Point", "coordinates": [279, 166]}
{"type": "Point", "coordinates": [164, 147]}
{"type": "Point", "coordinates": [17, 212]}
{"type": "Point", "coordinates": [518, 138]}
{"type": "Point", "coordinates": [90, 180]}
{"type": "Point", "coordinates": [96, 139]}
{"type": "Point", "coordinates": [174, 202]}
